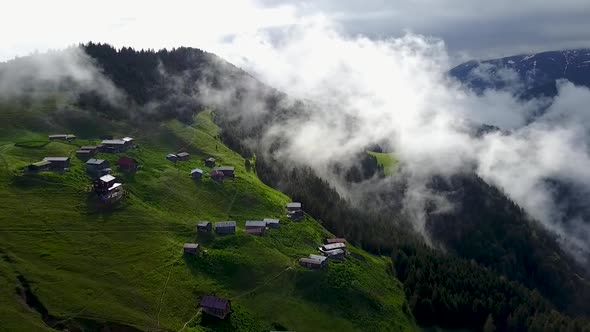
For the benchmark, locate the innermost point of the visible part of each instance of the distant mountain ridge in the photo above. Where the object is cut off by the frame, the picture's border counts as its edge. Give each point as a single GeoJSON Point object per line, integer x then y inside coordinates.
{"type": "Point", "coordinates": [533, 74]}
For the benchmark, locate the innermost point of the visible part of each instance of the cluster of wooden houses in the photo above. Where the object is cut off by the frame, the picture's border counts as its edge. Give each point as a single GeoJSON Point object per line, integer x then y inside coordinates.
{"type": "Point", "coordinates": [333, 248]}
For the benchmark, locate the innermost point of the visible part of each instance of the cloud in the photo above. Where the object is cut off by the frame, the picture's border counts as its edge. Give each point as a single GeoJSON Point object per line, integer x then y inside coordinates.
{"type": "Point", "coordinates": [397, 90]}
{"type": "Point", "coordinates": [68, 72]}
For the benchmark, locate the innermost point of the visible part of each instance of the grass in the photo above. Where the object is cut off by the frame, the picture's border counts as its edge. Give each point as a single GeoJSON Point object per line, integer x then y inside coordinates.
{"type": "Point", "coordinates": [386, 160]}
{"type": "Point", "coordinates": [125, 265]}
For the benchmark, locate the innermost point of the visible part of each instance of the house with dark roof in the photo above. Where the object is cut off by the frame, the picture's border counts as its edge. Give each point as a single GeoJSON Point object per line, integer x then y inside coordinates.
{"type": "Point", "coordinates": [114, 145]}
{"type": "Point", "coordinates": [228, 171]}
{"type": "Point", "coordinates": [215, 306]}
{"type": "Point", "coordinates": [62, 137]}
{"type": "Point", "coordinates": [58, 163]}
{"type": "Point", "coordinates": [293, 206]}
{"type": "Point", "coordinates": [172, 157]}
{"type": "Point", "coordinates": [210, 162]}
{"type": "Point", "coordinates": [314, 262]}
{"type": "Point", "coordinates": [337, 254]}
{"type": "Point", "coordinates": [86, 152]}
{"type": "Point", "coordinates": [255, 227]}
{"type": "Point", "coordinates": [196, 174]}
{"type": "Point", "coordinates": [272, 223]}
{"type": "Point", "coordinates": [38, 166]}
{"type": "Point", "coordinates": [332, 246]}
{"type": "Point", "coordinates": [225, 227]}
{"type": "Point", "coordinates": [334, 240]}
{"type": "Point", "coordinates": [104, 184]}
{"type": "Point", "coordinates": [183, 156]}
{"type": "Point", "coordinates": [191, 249]}
{"type": "Point", "coordinates": [97, 166]}
{"type": "Point", "coordinates": [204, 226]}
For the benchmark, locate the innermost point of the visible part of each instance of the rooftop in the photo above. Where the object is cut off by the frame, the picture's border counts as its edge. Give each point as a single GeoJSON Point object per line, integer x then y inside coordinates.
{"type": "Point", "coordinates": [50, 159]}
{"type": "Point", "coordinates": [41, 163]}
{"type": "Point", "coordinates": [211, 301]}
{"type": "Point", "coordinates": [318, 257]}
{"type": "Point", "coordinates": [224, 168]}
{"type": "Point", "coordinates": [310, 261]}
{"type": "Point", "coordinates": [271, 221]}
{"type": "Point", "coordinates": [127, 139]}
{"type": "Point", "coordinates": [211, 159]}
{"type": "Point", "coordinates": [113, 142]}
{"type": "Point", "coordinates": [88, 147]}
{"type": "Point", "coordinates": [95, 161]}
{"type": "Point", "coordinates": [197, 170]}
{"type": "Point", "coordinates": [255, 223]}
{"type": "Point", "coordinates": [191, 246]}
{"type": "Point", "coordinates": [182, 154]}
{"type": "Point", "coordinates": [107, 178]}
{"type": "Point", "coordinates": [294, 205]}
{"type": "Point", "coordinates": [203, 223]}
{"type": "Point", "coordinates": [225, 224]}
{"type": "Point", "coordinates": [333, 246]}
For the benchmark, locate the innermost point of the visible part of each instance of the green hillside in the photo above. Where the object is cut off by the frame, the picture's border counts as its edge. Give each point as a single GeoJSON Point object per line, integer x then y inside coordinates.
{"type": "Point", "coordinates": [385, 160]}
{"type": "Point", "coordinates": [123, 267]}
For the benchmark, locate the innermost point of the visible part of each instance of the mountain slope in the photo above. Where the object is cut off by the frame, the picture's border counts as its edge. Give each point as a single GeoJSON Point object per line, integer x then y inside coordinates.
{"type": "Point", "coordinates": [536, 73]}
{"type": "Point", "coordinates": [124, 268]}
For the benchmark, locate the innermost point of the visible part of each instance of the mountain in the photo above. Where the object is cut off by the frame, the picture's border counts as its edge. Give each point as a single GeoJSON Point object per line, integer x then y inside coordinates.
{"type": "Point", "coordinates": [124, 268]}
{"type": "Point", "coordinates": [532, 74]}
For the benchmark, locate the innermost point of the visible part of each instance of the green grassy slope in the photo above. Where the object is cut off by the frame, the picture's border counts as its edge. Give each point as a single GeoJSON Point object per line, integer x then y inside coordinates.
{"type": "Point", "coordinates": [125, 265]}
{"type": "Point", "coordinates": [387, 160]}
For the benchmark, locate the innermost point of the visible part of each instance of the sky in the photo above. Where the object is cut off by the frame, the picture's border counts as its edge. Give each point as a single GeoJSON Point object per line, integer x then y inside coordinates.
{"type": "Point", "coordinates": [470, 29]}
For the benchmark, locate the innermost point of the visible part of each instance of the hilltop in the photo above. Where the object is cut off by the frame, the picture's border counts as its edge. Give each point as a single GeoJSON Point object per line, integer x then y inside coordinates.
{"type": "Point", "coordinates": [75, 264]}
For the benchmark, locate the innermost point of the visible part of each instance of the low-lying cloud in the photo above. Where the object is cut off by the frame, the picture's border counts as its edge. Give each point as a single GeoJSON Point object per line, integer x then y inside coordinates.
{"type": "Point", "coordinates": [398, 91]}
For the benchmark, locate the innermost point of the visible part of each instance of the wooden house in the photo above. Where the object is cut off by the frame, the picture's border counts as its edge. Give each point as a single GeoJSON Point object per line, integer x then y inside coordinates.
{"type": "Point", "coordinates": [104, 184]}
{"type": "Point", "coordinates": [191, 249]}
{"type": "Point", "coordinates": [255, 227]}
{"type": "Point", "coordinates": [62, 137]}
{"type": "Point", "coordinates": [225, 227]}
{"type": "Point", "coordinates": [293, 206]}
{"type": "Point", "coordinates": [228, 171]}
{"type": "Point", "coordinates": [204, 227]}
{"type": "Point", "coordinates": [311, 263]}
{"type": "Point", "coordinates": [38, 166]}
{"type": "Point", "coordinates": [114, 145]}
{"type": "Point", "coordinates": [210, 162]}
{"type": "Point", "coordinates": [183, 156]}
{"type": "Point", "coordinates": [97, 167]}
{"type": "Point", "coordinates": [196, 174]}
{"type": "Point", "coordinates": [217, 176]}
{"type": "Point", "coordinates": [128, 164]}
{"type": "Point", "coordinates": [328, 247]}
{"type": "Point", "coordinates": [172, 157]}
{"type": "Point", "coordinates": [92, 148]}
{"type": "Point", "coordinates": [272, 223]}
{"type": "Point", "coordinates": [215, 306]}
{"type": "Point", "coordinates": [334, 240]}
{"type": "Point", "coordinates": [335, 253]}
{"type": "Point", "coordinates": [58, 163]}
{"type": "Point", "coordinates": [128, 141]}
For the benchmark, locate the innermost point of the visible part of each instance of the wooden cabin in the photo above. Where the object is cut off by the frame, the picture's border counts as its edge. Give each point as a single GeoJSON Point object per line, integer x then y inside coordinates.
{"type": "Point", "coordinates": [183, 156]}
{"type": "Point", "coordinates": [191, 249]}
{"type": "Point", "coordinates": [114, 145]}
{"type": "Point", "coordinates": [293, 206]}
{"type": "Point", "coordinates": [172, 157]}
{"type": "Point", "coordinates": [228, 171]}
{"type": "Point", "coordinates": [196, 174]}
{"type": "Point", "coordinates": [225, 227]}
{"type": "Point", "coordinates": [62, 137]}
{"type": "Point", "coordinates": [58, 163]}
{"type": "Point", "coordinates": [128, 164]}
{"type": "Point", "coordinates": [38, 166]}
{"type": "Point", "coordinates": [204, 227]}
{"type": "Point", "coordinates": [97, 167]}
{"type": "Point", "coordinates": [255, 227]}
{"type": "Point", "coordinates": [334, 240]}
{"type": "Point", "coordinates": [215, 306]}
{"type": "Point", "coordinates": [210, 162]}
{"type": "Point", "coordinates": [272, 223]}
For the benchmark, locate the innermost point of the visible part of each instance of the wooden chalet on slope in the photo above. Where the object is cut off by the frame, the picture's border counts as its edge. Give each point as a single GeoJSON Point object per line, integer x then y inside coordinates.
{"type": "Point", "coordinates": [183, 156]}
{"type": "Point", "coordinates": [115, 145]}
{"type": "Point", "coordinates": [335, 254]}
{"type": "Point", "coordinates": [58, 163]}
{"type": "Point", "coordinates": [215, 306]}
{"type": "Point", "coordinates": [293, 206]}
{"type": "Point", "coordinates": [225, 227]}
{"type": "Point", "coordinates": [255, 227]}
{"type": "Point", "coordinates": [196, 174]}
{"type": "Point", "coordinates": [272, 223]}
{"type": "Point", "coordinates": [172, 157]}
{"type": "Point", "coordinates": [315, 262]}
{"type": "Point", "coordinates": [210, 162]}
{"type": "Point", "coordinates": [334, 240]}
{"type": "Point", "coordinates": [191, 249]}
{"type": "Point", "coordinates": [62, 137]}
{"type": "Point", "coordinates": [86, 152]}
{"type": "Point", "coordinates": [39, 166]}
{"type": "Point", "coordinates": [204, 227]}
{"type": "Point", "coordinates": [128, 164]}
{"type": "Point", "coordinates": [97, 167]}
{"type": "Point", "coordinates": [228, 171]}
